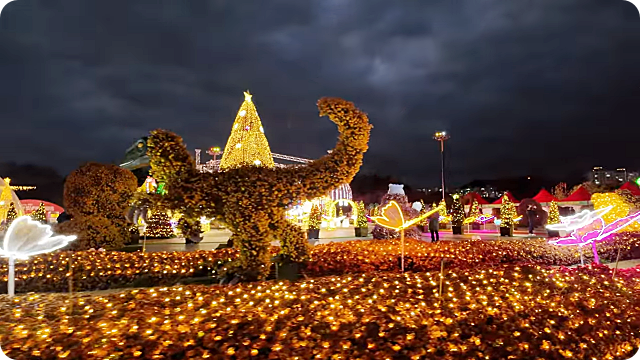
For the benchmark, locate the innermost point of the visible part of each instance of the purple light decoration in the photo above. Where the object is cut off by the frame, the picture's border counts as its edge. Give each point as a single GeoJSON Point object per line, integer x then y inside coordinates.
{"type": "Point", "coordinates": [588, 227]}
{"type": "Point", "coordinates": [483, 219]}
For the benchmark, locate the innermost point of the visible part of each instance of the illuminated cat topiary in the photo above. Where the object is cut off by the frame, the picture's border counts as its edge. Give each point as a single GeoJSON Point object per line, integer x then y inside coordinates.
{"type": "Point", "coordinates": [251, 200]}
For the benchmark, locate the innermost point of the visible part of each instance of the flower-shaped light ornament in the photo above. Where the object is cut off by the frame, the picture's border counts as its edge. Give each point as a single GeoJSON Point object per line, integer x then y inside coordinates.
{"type": "Point", "coordinates": [393, 218]}
{"type": "Point", "coordinates": [588, 227]}
{"type": "Point", "coordinates": [26, 237]}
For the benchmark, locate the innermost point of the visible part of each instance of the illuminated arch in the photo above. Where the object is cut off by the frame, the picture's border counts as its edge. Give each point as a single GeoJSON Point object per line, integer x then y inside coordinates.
{"type": "Point", "coordinates": [332, 206]}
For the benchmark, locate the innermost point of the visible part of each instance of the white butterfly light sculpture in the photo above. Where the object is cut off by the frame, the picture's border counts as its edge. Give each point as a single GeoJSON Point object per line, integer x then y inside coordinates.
{"type": "Point", "coordinates": [26, 237]}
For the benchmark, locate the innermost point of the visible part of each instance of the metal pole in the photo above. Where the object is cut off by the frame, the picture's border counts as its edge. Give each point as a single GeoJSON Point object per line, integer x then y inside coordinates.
{"type": "Point", "coordinates": [441, 278]}
{"type": "Point", "coordinates": [70, 280]}
{"type": "Point", "coordinates": [402, 240]}
{"type": "Point", "coordinates": [442, 163]}
{"type": "Point", "coordinates": [144, 242]}
{"type": "Point", "coordinates": [12, 276]}
{"type": "Point", "coordinates": [617, 261]}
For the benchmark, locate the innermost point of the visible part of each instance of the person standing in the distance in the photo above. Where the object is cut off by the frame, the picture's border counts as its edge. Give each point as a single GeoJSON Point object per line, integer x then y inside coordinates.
{"type": "Point", "coordinates": [531, 215]}
{"type": "Point", "coordinates": [434, 224]}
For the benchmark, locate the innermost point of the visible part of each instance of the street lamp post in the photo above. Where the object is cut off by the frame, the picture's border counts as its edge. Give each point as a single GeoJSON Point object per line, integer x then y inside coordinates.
{"type": "Point", "coordinates": [214, 151]}
{"type": "Point", "coordinates": [441, 136]}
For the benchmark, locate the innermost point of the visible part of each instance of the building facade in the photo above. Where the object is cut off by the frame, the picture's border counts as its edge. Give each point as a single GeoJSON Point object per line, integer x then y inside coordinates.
{"type": "Point", "coordinates": [617, 177]}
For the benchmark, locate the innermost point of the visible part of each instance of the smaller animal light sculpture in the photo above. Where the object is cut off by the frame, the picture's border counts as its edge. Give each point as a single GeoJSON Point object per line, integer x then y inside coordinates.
{"type": "Point", "coordinates": [587, 227]}
{"type": "Point", "coordinates": [26, 237]}
{"type": "Point", "coordinates": [392, 218]}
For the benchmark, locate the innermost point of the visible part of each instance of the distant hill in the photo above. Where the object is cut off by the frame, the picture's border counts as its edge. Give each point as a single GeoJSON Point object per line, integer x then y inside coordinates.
{"type": "Point", "coordinates": [520, 187]}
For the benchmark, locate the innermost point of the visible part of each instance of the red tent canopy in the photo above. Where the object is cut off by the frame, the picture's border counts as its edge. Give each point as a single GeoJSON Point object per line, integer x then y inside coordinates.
{"type": "Point", "coordinates": [633, 188]}
{"type": "Point", "coordinates": [581, 194]}
{"type": "Point", "coordinates": [544, 197]}
{"type": "Point", "coordinates": [513, 200]}
{"type": "Point", "coordinates": [475, 196]}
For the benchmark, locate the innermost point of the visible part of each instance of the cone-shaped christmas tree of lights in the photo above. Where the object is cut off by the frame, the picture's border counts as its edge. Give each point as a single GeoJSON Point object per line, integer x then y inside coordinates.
{"type": "Point", "coordinates": [12, 214]}
{"type": "Point", "coordinates": [507, 212]}
{"type": "Point", "coordinates": [474, 210]}
{"type": "Point", "coordinates": [423, 210]}
{"type": "Point", "coordinates": [315, 217]}
{"type": "Point", "coordinates": [457, 212]}
{"type": "Point", "coordinates": [443, 209]}
{"type": "Point", "coordinates": [554, 214]}
{"type": "Point", "coordinates": [361, 220]}
{"type": "Point", "coordinates": [247, 144]}
{"type": "Point", "coordinates": [5, 199]}
{"type": "Point", "coordinates": [159, 225]}
{"type": "Point", "coordinates": [40, 214]}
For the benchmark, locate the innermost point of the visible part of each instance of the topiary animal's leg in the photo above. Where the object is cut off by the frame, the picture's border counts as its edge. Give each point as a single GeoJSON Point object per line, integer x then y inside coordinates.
{"type": "Point", "coordinates": [293, 243]}
{"type": "Point", "coordinates": [253, 240]}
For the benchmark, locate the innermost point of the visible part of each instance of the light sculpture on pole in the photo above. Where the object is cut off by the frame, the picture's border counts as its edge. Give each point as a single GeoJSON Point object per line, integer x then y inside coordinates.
{"type": "Point", "coordinates": [441, 136]}
{"type": "Point", "coordinates": [26, 237]}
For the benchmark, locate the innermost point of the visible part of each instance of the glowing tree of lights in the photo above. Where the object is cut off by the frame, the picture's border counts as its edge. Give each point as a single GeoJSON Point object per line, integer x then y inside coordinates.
{"type": "Point", "coordinates": [361, 220]}
{"type": "Point", "coordinates": [554, 214]}
{"type": "Point", "coordinates": [40, 214]}
{"type": "Point", "coordinates": [474, 210]}
{"type": "Point", "coordinates": [508, 215]}
{"type": "Point", "coordinates": [159, 225]}
{"type": "Point", "coordinates": [12, 214]}
{"type": "Point", "coordinates": [457, 216]}
{"type": "Point", "coordinates": [26, 237]}
{"type": "Point", "coordinates": [392, 218]}
{"type": "Point", "coordinates": [444, 218]}
{"type": "Point", "coordinates": [588, 227]}
{"type": "Point", "coordinates": [247, 145]}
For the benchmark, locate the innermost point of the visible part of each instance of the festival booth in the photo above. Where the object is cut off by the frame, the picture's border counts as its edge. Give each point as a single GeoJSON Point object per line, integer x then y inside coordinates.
{"type": "Point", "coordinates": [631, 187]}
{"type": "Point", "coordinates": [468, 199]}
{"type": "Point", "coordinates": [544, 198]}
{"type": "Point", "coordinates": [53, 210]}
{"type": "Point", "coordinates": [580, 199]}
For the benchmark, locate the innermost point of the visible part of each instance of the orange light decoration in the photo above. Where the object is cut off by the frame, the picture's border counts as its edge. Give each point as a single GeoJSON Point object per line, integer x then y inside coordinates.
{"type": "Point", "coordinates": [392, 218]}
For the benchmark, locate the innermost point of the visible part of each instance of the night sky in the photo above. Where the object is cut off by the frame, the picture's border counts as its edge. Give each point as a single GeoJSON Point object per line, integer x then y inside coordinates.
{"type": "Point", "coordinates": [525, 87]}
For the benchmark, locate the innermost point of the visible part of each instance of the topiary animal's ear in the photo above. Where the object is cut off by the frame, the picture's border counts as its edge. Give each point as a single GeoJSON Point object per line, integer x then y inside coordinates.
{"type": "Point", "coordinates": [168, 157]}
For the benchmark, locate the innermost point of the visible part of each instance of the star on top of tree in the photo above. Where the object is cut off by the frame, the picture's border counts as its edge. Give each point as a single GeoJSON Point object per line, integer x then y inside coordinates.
{"type": "Point", "coordinates": [247, 96]}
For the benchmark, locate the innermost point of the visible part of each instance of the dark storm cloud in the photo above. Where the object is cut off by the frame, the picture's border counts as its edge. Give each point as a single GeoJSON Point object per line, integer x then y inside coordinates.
{"type": "Point", "coordinates": [515, 82]}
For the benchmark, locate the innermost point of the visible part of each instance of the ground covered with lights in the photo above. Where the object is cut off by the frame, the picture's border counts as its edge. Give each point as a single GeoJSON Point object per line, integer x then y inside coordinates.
{"type": "Point", "coordinates": [97, 270]}
{"type": "Point", "coordinates": [494, 313]}
{"type": "Point", "coordinates": [507, 299]}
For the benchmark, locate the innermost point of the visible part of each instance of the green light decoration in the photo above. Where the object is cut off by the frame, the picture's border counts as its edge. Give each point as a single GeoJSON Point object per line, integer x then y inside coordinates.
{"type": "Point", "coordinates": [638, 181]}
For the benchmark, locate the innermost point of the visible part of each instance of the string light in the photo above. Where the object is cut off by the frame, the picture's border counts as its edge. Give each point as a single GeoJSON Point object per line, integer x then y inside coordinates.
{"type": "Point", "coordinates": [391, 217]}
{"type": "Point", "coordinates": [474, 213]}
{"type": "Point", "coordinates": [253, 200]}
{"type": "Point", "coordinates": [26, 238]}
{"type": "Point", "coordinates": [247, 144]}
{"type": "Point", "coordinates": [507, 212]}
{"type": "Point", "coordinates": [159, 225]}
{"type": "Point", "coordinates": [554, 214]}
{"type": "Point", "coordinates": [96, 270]}
{"type": "Point", "coordinates": [543, 313]}
{"type": "Point", "coordinates": [315, 217]}
{"type": "Point", "coordinates": [618, 207]}
{"type": "Point", "coordinates": [40, 214]}
{"type": "Point", "coordinates": [361, 219]}
{"type": "Point", "coordinates": [588, 227]}
{"type": "Point", "coordinates": [457, 212]}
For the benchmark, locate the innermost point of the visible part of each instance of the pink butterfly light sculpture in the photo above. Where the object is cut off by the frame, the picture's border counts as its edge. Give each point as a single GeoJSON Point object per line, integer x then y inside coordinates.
{"type": "Point", "coordinates": [588, 227]}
